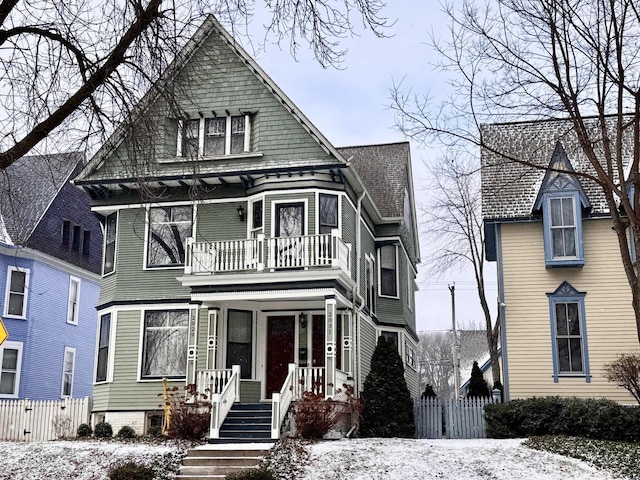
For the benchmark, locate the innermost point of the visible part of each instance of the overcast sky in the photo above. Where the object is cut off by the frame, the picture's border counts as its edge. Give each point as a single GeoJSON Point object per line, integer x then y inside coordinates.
{"type": "Point", "coordinates": [350, 107]}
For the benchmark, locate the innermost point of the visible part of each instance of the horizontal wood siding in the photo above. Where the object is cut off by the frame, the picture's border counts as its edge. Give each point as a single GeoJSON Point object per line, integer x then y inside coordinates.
{"type": "Point", "coordinates": [411, 377]}
{"type": "Point", "coordinates": [368, 340]}
{"type": "Point", "coordinates": [126, 393]}
{"type": "Point", "coordinates": [250, 391]}
{"type": "Point", "coordinates": [220, 221]}
{"type": "Point", "coordinates": [610, 321]}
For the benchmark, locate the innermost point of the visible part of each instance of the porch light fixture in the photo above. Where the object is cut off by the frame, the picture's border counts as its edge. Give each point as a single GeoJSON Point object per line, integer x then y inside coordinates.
{"type": "Point", "coordinates": [303, 320]}
{"type": "Point", "coordinates": [241, 213]}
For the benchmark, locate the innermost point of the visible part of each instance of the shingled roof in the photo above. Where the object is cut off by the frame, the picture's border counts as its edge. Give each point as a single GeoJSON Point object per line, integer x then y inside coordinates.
{"type": "Point", "coordinates": [27, 188]}
{"type": "Point", "coordinates": [384, 169]}
{"type": "Point", "coordinates": [509, 189]}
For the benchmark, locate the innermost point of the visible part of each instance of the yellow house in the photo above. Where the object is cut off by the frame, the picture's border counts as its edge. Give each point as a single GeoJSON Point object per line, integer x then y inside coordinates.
{"type": "Point", "coordinates": [564, 298]}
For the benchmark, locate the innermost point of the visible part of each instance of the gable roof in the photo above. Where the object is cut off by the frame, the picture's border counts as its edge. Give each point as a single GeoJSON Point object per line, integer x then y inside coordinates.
{"type": "Point", "coordinates": [209, 27]}
{"type": "Point", "coordinates": [385, 171]}
{"type": "Point", "coordinates": [27, 188]}
{"type": "Point", "coordinates": [510, 189]}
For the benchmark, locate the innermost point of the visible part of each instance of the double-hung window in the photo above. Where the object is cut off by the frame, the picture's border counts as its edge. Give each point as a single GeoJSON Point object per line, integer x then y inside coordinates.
{"type": "Point", "coordinates": [104, 338]}
{"type": "Point", "coordinates": [68, 366]}
{"type": "Point", "coordinates": [164, 350]}
{"type": "Point", "coordinates": [73, 305]}
{"type": "Point", "coordinates": [110, 230]}
{"type": "Point", "coordinates": [562, 220]}
{"type": "Point", "coordinates": [218, 135]}
{"type": "Point", "coordinates": [15, 302]}
{"type": "Point", "coordinates": [568, 333]}
{"type": "Point", "coordinates": [10, 363]}
{"type": "Point", "coordinates": [169, 228]}
{"type": "Point", "coordinates": [388, 265]}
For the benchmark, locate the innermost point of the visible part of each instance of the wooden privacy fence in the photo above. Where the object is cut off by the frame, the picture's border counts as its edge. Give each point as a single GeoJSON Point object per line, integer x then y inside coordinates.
{"type": "Point", "coordinates": [42, 420]}
{"type": "Point", "coordinates": [463, 418]}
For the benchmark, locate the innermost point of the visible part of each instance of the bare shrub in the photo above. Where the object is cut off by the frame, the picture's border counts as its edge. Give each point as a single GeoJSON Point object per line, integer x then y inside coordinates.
{"type": "Point", "coordinates": [625, 372]}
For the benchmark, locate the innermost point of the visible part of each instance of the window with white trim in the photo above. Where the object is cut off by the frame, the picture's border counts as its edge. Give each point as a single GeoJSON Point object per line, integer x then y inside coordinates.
{"type": "Point", "coordinates": [328, 213]}
{"type": "Point", "coordinates": [73, 304]}
{"type": "Point", "coordinates": [15, 301]}
{"type": "Point", "coordinates": [388, 270]}
{"type": "Point", "coordinates": [391, 336]}
{"type": "Point", "coordinates": [103, 346]}
{"type": "Point", "coordinates": [10, 364]}
{"type": "Point", "coordinates": [169, 228]}
{"type": "Point", "coordinates": [68, 367]}
{"type": "Point", "coordinates": [110, 235]}
{"type": "Point", "coordinates": [214, 136]}
{"type": "Point", "coordinates": [257, 221]}
{"type": "Point", "coordinates": [165, 339]}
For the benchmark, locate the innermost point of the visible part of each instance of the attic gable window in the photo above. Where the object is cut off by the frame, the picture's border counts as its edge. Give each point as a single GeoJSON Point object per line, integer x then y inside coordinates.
{"type": "Point", "coordinates": [214, 136]}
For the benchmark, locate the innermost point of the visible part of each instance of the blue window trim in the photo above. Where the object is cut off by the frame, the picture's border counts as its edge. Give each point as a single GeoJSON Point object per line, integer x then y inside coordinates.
{"type": "Point", "coordinates": [578, 260]}
{"type": "Point", "coordinates": [565, 293]}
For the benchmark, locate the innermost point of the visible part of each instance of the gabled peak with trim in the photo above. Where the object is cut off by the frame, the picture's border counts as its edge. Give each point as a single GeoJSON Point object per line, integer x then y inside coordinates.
{"type": "Point", "coordinates": [567, 290]}
{"type": "Point", "coordinates": [560, 177]}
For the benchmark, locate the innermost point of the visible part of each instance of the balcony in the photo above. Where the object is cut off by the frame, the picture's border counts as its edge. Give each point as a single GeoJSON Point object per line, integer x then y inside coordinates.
{"type": "Point", "coordinates": [260, 254]}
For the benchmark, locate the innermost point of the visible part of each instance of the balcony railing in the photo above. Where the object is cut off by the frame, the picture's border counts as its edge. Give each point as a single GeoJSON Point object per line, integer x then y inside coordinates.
{"type": "Point", "coordinates": [260, 253]}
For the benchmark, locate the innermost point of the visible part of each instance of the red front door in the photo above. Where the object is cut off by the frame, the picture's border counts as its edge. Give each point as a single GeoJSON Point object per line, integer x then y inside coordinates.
{"type": "Point", "coordinates": [280, 350]}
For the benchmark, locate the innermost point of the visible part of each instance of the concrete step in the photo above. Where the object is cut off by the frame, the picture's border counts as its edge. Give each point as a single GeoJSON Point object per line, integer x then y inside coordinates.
{"type": "Point", "coordinates": [221, 461]}
{"type": "Point", "coordinates": [207, 462]}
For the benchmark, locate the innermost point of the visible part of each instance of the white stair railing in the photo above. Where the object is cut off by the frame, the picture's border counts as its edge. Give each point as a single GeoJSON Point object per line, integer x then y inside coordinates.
{"type": "Point", "coordinates": [281, 402]}
{"type": "Point", "coordinates": [222, 402]}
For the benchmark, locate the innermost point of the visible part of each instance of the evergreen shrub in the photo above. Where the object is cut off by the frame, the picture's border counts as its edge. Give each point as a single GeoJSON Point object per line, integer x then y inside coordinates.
{"type": "Point", "coordinates": [126, 432]}
{"type": "Point", "coordinates": [599, 419]}
{"type": "Point", "coordinates": [84, 430]}
{"type": "Point", "coordinates": [477, 384]}
{"type": "Point", "coordinates": [131, 471]}
{"type": "Point", "coordinates": [388, 407]}
{"type": "Point", "coordinates": [103, 430]}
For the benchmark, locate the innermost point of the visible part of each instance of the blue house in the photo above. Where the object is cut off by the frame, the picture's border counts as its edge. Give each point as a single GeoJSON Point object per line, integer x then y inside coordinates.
{"type": "Point", "coordinates": [50, 260]}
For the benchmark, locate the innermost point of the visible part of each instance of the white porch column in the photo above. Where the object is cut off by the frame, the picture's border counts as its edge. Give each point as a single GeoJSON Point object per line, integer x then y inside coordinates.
{"type": "Point", "coordinates": [346, 343]}
{"type": "Point", "coordinates": [330, 349]}
{"type": "Point", "coordinates": [212, 340]}
{"type": "Point", "coordinates": [192, 349]}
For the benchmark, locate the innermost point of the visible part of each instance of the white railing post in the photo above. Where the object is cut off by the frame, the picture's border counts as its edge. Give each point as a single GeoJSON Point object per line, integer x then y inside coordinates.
{"type": "Point", "coordinates": [275, 416]}
{"type": "Point", "coordinates": [189, 255]}
{"type": "Point", "coordinates": [280, 402]}
{"type": "Point", "coordinates": [260, 252]}
{"type": "Point", "coordinates": [235, 369]}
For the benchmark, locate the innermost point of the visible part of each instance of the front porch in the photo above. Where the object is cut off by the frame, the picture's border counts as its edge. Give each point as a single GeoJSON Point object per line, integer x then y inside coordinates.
{"type": "Point", "coordinates": [223, 388]}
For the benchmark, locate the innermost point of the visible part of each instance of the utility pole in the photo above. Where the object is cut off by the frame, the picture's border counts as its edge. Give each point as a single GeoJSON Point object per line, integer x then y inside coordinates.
{"type": "Point", "coordinates": [456, 348]}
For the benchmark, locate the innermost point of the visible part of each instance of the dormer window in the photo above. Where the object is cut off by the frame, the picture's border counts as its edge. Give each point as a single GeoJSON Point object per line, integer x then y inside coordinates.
{"type": "Point", "coordinates": [561, 200]}
{"type": "Point", "coordinates": [214, 136]}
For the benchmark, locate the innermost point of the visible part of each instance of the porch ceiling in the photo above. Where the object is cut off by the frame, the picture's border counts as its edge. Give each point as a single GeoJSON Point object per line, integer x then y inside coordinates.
{"type": "Point", "coordinates": [270, 296]}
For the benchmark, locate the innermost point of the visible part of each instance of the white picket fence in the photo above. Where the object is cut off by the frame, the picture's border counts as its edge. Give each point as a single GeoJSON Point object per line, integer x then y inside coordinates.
{"type": "Point", "coordinates": [462, 418]}
{"type": "Point", "coordinates": [42, 420]}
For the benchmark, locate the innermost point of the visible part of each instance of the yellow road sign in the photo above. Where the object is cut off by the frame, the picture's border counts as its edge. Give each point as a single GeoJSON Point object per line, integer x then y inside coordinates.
{"type": "Point", "coordinates": [3, 332]}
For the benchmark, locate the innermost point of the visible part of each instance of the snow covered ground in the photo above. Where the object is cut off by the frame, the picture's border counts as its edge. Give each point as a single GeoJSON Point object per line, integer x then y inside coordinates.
{"type": "Point", "coordinates": [360, 459]}
{"type": "Point", "coordinates": [396, 459]}
{"type": "Point", "coordinates": [62, 460]}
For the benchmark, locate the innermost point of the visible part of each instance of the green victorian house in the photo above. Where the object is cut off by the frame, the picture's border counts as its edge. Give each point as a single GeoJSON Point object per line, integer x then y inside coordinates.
{"type": "Point", "coordinates": [243, 252]}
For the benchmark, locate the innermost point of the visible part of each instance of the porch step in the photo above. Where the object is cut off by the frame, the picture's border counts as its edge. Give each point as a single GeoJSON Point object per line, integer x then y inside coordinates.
{"type": "Point", "coordinates": [246, 422]}
{"type": "Point", "coordinates": [208, 462]}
